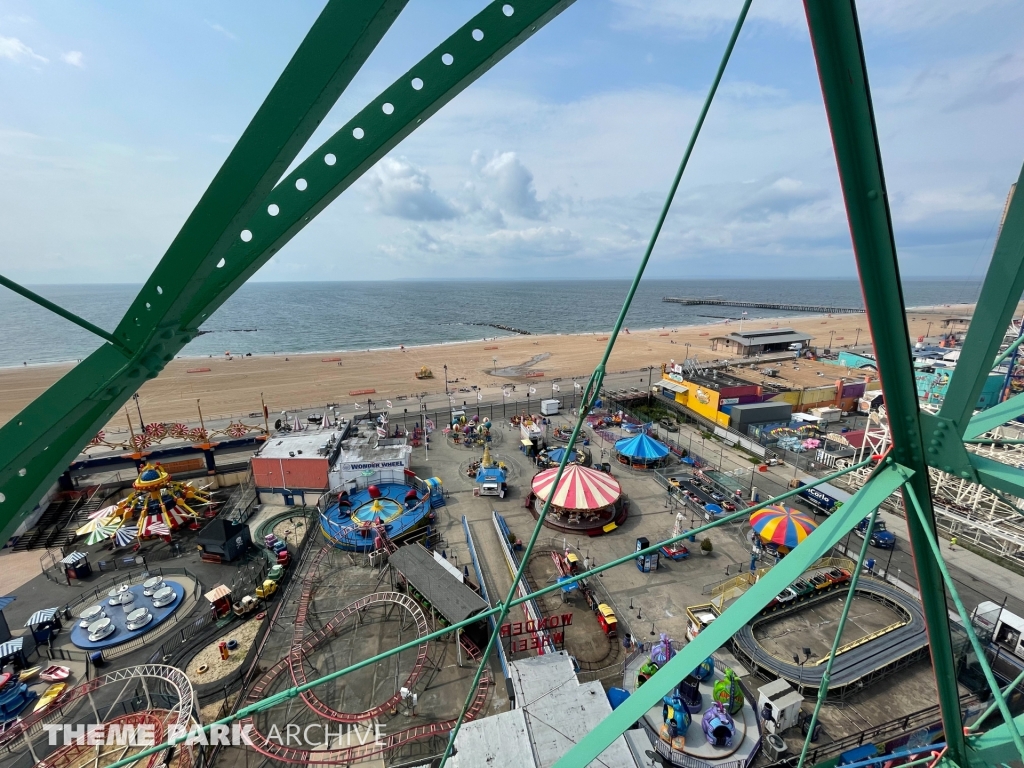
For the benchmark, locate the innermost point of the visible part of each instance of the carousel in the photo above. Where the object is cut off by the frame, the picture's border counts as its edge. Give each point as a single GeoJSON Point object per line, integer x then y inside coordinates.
{"type": "Point", "coordinates": [586, 500]}
{"type": "Point", "coordinates": [157, 506]}
{"type": "Point", "coordinates": [641, 452]}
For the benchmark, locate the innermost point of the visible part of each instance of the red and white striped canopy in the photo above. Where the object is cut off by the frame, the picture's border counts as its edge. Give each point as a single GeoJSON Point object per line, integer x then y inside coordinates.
{"type": "Point", "coordinates": [580, 488]}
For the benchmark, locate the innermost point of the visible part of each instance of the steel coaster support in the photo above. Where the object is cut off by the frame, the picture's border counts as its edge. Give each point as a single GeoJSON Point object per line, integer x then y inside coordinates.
{"type": "Point", "coordinates": [827, 674]}
{"type": "Point", "coordinates": [839, 54]}
{"type": "Point", "coordinates": [594, 386]}
{"type": "Point", "coordinates": [746, 607]}
{"type": "Point", "coordinates": [965, 618]}
{"type": "Point", "coordinates": [283, 697]}
{"type": "Point", "coordinates": [243, 218]}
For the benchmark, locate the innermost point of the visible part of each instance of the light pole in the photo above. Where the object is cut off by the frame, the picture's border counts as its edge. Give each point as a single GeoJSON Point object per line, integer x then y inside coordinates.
{"type": "Point", "coordinates": [856, 341]}
{"type": "Point", "coordinates": [830, 335]}
{"type": "Point", "coordinates": [495, 361]}
{"type": "Point", "coordinates": [142, 424]}
{"type": "Point", "coordinates": [446, 379]}
{"type": "Point", "coordinates": [928, 330]}
{"type": "Point", "coordinates": [687, 345]}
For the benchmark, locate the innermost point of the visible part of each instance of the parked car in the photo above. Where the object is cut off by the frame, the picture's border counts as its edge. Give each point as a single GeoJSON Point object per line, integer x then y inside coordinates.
{"type": "Point", "coordinates": [668, 425]}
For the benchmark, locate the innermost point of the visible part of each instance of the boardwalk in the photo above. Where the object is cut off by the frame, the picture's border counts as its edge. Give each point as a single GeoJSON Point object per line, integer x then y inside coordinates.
{"type": "Point", "coordinates": [818, 308]}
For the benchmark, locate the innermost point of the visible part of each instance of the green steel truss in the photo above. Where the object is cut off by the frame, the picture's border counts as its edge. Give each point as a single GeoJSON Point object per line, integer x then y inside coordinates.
{"type": "Point", "coordinates": [249, 212]}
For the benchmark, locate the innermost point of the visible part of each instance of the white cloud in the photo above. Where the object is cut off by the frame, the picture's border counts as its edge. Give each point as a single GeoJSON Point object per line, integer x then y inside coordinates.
{"type": "Point", "coordinates": [510, 184]}
{"type": "Point", "coordinates": [221, 30]}
{"type": "Point", "coordinates": [397, 188]}
{"type": "Point", "coordinates": [74, 58]}
{"type": "Point", "coordinates": [12, 48]}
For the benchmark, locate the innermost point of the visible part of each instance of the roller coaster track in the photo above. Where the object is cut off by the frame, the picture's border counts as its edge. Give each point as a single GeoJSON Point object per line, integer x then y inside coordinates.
{"type": "Point", "coordinates": [861, 660]}
{"type": "Point", "coordinates": [32, 724]}
{"type": "Point", "coordinates": [345, 754]}
{"type": "Point", "coordinates": [302, 647]}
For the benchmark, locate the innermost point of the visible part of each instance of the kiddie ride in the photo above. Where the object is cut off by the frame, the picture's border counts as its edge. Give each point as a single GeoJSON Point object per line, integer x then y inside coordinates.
{"type": "Point", "coordinates": [686, 700]}
{"type": "Point", "coordinates": [809, 586]}
{"type": "Point", "coordinates": [567, 565]}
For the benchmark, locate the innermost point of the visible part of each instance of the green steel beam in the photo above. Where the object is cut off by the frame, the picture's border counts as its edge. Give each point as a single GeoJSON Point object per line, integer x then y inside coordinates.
{"type": "Point", "coordinates": [826, 676]}
{"type": "Point", "coordinates": [839, 53]}
{"type": "Point", "coordinates": [965, 620]}
{"type": "Point", "coordinates": [1000, 294]}
{"type": "Point", "coordinates": [996, 416]}
{"type": "Point", "coordinates": [997, 476]}
{"type": "Point", "coordinates": [594, 386]}
{"type": "Point", "coordinates": [1009, 350]}
{"type": "Point", "coordinates": [191, 282]}
{"type": "Point", "coordinates": [715, 635]}
{"type": "Point", "coordinates": [59, 310]}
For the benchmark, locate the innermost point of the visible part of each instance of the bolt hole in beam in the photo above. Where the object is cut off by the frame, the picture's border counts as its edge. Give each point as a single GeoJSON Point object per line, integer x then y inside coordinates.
{"type": "Point", "coordinates": [507, 9]}
{"type": "Point", "coordinates": [447, 59]}
{"type": "Point", "coordinates": [246, 235]}
{"type": "Point", "coordinates": [2, 498]}
{"type": "Point", "coordinates": [330, 159]}
{"type": "Point", "coordinates": [160, 289]}
{"type": "Point", "coordinates": [387, 108]}
{"type": "Point", "coordinates": [358, 133]}
{"type": "Point", "coordinates": [220, 265]}
{"type": "Point", "coordinates": [273, 209]}
{"type": "Point", "coordinates": [300, 184]}
{"type": "Point", "coordinates": [22, 472]}
{"type": "Point", "coordinates": [478, 35]}
{"type": "Point", "coordinates": [417, 84]}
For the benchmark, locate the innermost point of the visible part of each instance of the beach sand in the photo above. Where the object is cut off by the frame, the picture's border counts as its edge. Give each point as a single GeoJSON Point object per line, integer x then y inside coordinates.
{"type": "Point", "coordinates": [232, 387]}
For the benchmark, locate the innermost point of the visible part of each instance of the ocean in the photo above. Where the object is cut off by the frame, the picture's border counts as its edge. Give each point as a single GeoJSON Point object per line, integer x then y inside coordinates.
{"type": "Point", "coordinates": [264, 318]}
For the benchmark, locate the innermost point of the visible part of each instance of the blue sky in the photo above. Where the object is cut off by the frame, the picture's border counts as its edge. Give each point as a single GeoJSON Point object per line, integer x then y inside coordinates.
{"type": "Point", "coordinates": [115, 117]}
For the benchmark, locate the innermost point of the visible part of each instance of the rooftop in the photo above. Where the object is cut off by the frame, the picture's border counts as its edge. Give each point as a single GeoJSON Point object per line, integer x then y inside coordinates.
{"type": "Point", "coordinates": [316, 444]}
{"type": "Point", "coordinates": [452, 599]}
{"type": "Point", "coordinates": [771, 336]}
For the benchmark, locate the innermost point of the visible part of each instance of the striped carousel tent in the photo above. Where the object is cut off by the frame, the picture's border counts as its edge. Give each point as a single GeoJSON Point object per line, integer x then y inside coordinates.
{"type": "Point", "coordinates": [580, 488]}
{"type": "Point", "coordinates": [641, 450]}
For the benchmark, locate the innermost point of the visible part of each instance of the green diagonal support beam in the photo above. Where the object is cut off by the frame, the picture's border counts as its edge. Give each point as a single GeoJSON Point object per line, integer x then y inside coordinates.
{"type": "Point", "coordinates": [996, 416]}
{"type": "Point", "coordinates": [997, 476]}
{"type": "Point", "coordinates": [842, 70]}
{"type": "Point", "coordinates": [749, 604]}
{"type": "Point", "coordinates": [186, 288]}
{"type": "Point", "coordinates": [1000, 294]}
{"type": "Point", "coordinates": [59, 310]}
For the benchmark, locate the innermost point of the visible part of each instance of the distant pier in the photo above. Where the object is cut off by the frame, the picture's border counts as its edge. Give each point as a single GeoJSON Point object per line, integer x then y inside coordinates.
{"type": "Point", "coordinates": [817, 308]}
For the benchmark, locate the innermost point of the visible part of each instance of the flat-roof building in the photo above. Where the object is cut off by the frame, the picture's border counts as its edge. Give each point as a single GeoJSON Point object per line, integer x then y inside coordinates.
{"type": "Point", "coordinates": [748, 343]}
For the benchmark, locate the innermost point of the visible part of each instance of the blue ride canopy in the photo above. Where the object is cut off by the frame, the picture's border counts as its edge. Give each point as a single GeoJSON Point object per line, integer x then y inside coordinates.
{"type": "Point", "coordinates": [641, 447]}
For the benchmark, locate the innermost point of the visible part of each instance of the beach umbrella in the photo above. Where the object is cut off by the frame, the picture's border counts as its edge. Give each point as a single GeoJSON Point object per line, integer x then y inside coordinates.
{"type": "Point", "coordinates": [126, 535]}
{"type": "Point", "coordinates": [92, 525]}
{"type": "Point", "coordinates": [101, 532]}
{"type": "Point", "coordinates": [782, 525]}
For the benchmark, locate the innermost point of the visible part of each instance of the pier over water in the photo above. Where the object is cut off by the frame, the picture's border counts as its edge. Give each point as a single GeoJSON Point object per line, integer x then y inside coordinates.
{"type": "Point", "coordinates": [817, 308]}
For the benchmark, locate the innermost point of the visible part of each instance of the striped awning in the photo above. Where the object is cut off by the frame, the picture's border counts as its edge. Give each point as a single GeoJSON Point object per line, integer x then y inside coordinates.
{"type": "Point", "coordinates": [218, 592]}
{"type": "Point", "coordinates": [7, 600]}
{"type": "Point", "coordinates": [12, 647]}
{"type": "Point", "coordinates": [74, 558]}
{"type": "Point", "coordinates": [580, 488]}
{"type": "Point", "coordinates": [41, 617]}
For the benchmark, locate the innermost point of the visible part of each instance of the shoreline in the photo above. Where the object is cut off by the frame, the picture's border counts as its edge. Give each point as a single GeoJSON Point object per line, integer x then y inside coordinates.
{"type": "Point", "coordinates": [232, 387]}
{"type": "Point", "coordinates": [675, 328]}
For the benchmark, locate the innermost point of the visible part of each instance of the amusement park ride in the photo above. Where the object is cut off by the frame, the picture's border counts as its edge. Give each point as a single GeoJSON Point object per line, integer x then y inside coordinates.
{"type": "Point", "coordinates": [253, 208]}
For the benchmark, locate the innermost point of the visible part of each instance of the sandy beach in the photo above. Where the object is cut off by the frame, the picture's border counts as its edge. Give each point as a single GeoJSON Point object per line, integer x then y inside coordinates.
{"type": "Point", "coordinates": [232, 386]}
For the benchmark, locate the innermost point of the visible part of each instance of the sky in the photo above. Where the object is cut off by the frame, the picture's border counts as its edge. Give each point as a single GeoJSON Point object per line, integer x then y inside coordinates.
{"type": "Point", "coordinates": [115, 117]}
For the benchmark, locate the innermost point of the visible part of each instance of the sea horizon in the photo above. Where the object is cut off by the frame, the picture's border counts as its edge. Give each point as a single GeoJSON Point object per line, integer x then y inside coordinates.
{"type": "Point", "coordinates": [310, 317]}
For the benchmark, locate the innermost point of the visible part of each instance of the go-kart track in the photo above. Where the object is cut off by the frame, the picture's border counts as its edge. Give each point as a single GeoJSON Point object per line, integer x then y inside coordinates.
{"type": "Point", "coordinates": [858, 662]}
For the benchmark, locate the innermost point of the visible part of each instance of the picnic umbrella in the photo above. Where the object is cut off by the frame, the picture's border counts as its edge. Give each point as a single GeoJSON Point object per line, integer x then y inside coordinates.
{"type": "Point", "coordinates": [782, 525]}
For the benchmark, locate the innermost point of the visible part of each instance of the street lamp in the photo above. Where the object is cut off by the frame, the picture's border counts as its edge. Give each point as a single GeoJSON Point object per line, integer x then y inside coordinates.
{"type": "Point", "coordinates": [142, 423]}
{"type": "Point", "coordinates": [446, 379]}
{"type": "Point", "coordinates": [928, 330]}
{"type": "Point", "coordinates": [830, 335]}
{"type": "Point", "coordinates": [495, 361]}
{"type": "Point", "coordinates": [856, 341]}
{"type": "Point", "coordinates": [687, 345]}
